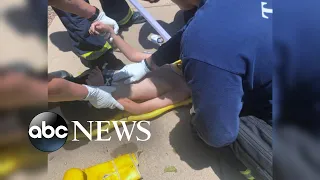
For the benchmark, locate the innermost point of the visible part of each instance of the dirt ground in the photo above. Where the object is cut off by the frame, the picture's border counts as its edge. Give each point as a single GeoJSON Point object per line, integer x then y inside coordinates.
{"type": "Point", "coordinates": [172, 142]}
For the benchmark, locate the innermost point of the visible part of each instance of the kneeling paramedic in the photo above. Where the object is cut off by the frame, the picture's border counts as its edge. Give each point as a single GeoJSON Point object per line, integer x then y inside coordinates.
{"type": "Point", "coordinates": [227, 64]}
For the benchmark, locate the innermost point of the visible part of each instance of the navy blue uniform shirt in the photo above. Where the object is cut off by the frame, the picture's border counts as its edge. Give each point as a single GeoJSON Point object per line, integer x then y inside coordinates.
{"type": "Point", "coordinates": [235, 36]}
{"type": "Point", "coordinates": [227, 57]}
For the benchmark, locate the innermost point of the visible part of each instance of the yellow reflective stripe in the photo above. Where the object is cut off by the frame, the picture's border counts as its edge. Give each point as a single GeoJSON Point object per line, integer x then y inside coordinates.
{"type": "Point", "coordinates": [247, 174]}
{"type": "Point", "coordinates": [247, 171]}
{"type": "Point", "coordinates": [178, 62]}
{"type": "Point", "coordinates": [126, 19]}
{"type": "Point", "coordinates": [96, 54]}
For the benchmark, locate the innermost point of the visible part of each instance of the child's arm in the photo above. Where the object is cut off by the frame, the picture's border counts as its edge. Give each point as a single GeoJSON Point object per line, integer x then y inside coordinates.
{"type": "Point", "coordinates": [132, 54]}
{"type": "Point", "coordinates": [156, 103]}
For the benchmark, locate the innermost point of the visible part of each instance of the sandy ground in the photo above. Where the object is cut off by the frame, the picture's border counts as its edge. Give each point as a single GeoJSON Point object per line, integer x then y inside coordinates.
{"type": "Point", "coordinates": [172, 142]}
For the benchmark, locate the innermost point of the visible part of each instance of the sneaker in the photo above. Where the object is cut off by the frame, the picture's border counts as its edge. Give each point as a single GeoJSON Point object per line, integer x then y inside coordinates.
{"type": "Point", "coordinates": [136, 18]}
{"type": "Point", "coordinates": [108, 76]}
{"type": "Point", "coordinates": [61, 74]}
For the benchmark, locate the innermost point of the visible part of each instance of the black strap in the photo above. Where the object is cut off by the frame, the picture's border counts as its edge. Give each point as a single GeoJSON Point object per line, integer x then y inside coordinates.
{"type": "Point", "coordinates": [145, 61]}
{"type": "Point", "coordinates": [96, 14]}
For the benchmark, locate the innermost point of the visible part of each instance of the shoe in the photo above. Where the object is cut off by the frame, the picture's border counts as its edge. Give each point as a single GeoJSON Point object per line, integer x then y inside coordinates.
{"type": "Point", "coordinates": [61, 74]}
{"type": "Point", "coordinates": [136, 18]}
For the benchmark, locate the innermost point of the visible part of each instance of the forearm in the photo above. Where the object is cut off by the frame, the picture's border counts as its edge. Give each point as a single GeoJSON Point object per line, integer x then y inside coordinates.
{"type": "Point", "coordinates": [78, 7]}
{"type": "Point", "coordinates": [130, 106]}
{"type": "Point", "coordinates": [130, 53]}
{"type": "Point", "coordinates": [62, 90]}
{"type": "Point", "coordinates": [155, 103]}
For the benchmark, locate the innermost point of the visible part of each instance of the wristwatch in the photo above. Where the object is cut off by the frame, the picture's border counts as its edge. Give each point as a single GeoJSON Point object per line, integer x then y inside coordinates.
{"type": "Point", "coordinates": [147, 65]}
{"type": "Point", "coordinates": [96, 14]}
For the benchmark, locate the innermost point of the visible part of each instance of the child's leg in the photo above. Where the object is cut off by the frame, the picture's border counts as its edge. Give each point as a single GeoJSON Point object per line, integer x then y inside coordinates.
{"type": "Point", "coordinates": [62, 90]}
{"type": "Point", "coordinates": [154, 85]}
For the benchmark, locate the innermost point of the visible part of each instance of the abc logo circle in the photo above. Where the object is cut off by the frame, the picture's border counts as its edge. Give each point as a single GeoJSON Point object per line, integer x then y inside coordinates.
{"type": "Point", "coordinates": [48, 132]}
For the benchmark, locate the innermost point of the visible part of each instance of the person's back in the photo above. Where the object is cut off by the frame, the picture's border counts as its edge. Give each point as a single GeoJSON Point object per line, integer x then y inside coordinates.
{"type": "Point", "coordinates": [236, 36]}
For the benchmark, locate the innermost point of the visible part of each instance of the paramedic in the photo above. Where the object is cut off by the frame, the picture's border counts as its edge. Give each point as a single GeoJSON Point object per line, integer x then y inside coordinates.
{"type": "Point", "coordinates": [92, 48]}
{"type": "Point", "coordinates": [227, 64]}
{"type": "Point", "coordinates": [97, 95]}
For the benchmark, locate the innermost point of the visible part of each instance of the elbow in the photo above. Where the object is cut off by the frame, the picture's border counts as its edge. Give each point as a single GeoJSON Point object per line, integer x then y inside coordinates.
{"type": "Point", "coordinates": [57, 86]}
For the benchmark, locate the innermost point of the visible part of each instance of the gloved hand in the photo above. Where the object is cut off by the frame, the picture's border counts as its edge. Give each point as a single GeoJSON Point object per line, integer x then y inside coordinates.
{"type": "Point", "coordinates": [108, 21]}
{"type": "Point", "coordinates": [100, 97]}
{"type": "Point", "coordinates": [134, 72]}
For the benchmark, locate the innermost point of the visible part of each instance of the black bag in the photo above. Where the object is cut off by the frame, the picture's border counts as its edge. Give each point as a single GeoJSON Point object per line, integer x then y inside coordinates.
{"type": "Point", "coordinates": [253, 147]}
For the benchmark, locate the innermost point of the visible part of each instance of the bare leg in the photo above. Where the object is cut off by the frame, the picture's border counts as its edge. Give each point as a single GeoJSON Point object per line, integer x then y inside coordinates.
{"type": "Point", "coordinates": [153, 85]}
{"type": "Point", "coordinates": [62, 90]}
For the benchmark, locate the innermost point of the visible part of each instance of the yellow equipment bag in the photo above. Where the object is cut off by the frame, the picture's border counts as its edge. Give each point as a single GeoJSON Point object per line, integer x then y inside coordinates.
{"type": "Point", "coordinates": [124, 167]}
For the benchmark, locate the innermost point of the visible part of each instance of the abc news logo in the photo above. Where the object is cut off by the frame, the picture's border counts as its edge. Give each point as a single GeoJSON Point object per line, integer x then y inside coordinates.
{"type": "Point", "coordinates": [48, 131]}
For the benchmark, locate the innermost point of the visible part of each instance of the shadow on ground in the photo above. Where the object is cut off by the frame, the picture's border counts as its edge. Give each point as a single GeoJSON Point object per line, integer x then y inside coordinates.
{"type": "Point", "coordinates": [82, 111]}
{"type": "Point", "coordinates": [61, 40]}
{"type": "Point", "coordinates": [29, 19]}
{"type": "Point", "coordinates": [198, 155]}
{"type": "Point", "coordinates": [171, 29]}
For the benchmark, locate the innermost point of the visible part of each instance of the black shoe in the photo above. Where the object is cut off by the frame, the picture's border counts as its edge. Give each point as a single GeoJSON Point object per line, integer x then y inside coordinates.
{"type": "Point", "coordinates": [61, 74]}
{"type": "Point", "coordinates": [136, 18]}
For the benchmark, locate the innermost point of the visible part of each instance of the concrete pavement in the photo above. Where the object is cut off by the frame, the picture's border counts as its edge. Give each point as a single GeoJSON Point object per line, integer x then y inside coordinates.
{"type": "Point", "coordinates": [172, 142]}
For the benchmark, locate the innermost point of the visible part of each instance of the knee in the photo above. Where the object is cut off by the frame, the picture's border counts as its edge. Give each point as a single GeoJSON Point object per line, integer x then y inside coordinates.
{"type": "Point", "coordinates": [57, 86]}
{"type": "Point", "coordinates": [213, 132]}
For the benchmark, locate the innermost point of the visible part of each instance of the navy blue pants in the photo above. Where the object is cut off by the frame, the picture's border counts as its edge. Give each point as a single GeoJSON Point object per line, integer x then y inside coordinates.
{"type": "Point", "coordinates": [218, 97]}
{"type": "Point", "coordinates": [87, 46]}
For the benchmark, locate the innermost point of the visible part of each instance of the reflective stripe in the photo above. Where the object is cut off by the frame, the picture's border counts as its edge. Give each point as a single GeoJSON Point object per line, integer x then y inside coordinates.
{"type": "Point", "coordinates": [92, 55]}
{"type": "Point", "coordinates": [247, 174]}
{"type": "Point", "coordinates": [126, 19]}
